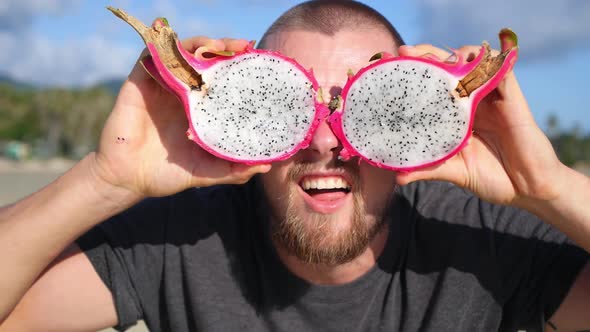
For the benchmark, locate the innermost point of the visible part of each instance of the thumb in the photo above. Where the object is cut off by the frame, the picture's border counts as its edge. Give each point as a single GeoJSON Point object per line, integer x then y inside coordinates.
{"type": "Point", "coordinates": [242, 173]}
{"type": "Point", "coordinates": [249, 171]}
{"type": "Point", "coordinates": [452, 170]}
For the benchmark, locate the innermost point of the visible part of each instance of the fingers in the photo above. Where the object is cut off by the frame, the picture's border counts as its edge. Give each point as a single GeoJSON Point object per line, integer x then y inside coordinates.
{"type": "Point", "coordinates": [138, 73]}
{"type": "Point", "coordinates": [216, 45]}
{"type": "Point", "coordinates": [193, 43]}
{"type": "Point", "coordinates": [238, 174]}
{"type": "Point", "coordinates": [242, 173]}
{"type": "Point", "coordinates": [509, 90]}
{"type": "Point", "coordinates": [435, 173]}
{"type": "Point", "coordinates": [424, 50]}
{"type": "Point", "coordinates": [452, 170]}
{"type": "Point", "coordinates": [235, 45]}
{"type": "Point", "coordinates": [468, 53]}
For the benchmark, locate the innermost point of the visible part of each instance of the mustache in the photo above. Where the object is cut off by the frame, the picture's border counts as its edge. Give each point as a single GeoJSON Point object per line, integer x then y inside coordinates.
{"type": "Point", "coordinates": [350, 168]}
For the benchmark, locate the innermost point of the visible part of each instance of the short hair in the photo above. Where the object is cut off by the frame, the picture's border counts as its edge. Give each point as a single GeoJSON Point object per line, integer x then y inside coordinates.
{"type": "Point", "coordinates": [329, 17]}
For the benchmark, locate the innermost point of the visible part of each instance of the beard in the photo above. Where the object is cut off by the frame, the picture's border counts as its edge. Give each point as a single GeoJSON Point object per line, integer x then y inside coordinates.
{"type": "Point", "coordinates": [314, 238]}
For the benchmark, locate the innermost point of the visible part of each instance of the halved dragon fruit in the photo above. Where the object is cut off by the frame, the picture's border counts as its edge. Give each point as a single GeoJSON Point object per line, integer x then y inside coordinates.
{"type": "Point", "coordinates": [404, 113]}
{"type": "Point", "coordinates": [257, 106]}
{"type": "Point", "coordinates": [253, 106]}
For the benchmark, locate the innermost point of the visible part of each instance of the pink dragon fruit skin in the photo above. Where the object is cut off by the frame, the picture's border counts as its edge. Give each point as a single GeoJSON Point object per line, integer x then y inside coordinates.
{"type": "Point", "coordinates": [383, 148]}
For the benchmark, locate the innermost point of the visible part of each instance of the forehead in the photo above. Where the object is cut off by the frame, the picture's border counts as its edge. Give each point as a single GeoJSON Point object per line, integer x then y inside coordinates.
{"type": "Point", "coordinates": [331, 56]}
{"type": "Point", "coordinates": [308, 47]}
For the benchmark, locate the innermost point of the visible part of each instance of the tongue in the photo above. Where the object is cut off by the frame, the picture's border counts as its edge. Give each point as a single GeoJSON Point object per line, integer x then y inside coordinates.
{"type": "Point", "coordinates": [326, 194]}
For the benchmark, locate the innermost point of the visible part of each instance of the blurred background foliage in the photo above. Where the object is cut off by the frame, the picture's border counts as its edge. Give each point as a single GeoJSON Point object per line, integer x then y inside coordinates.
{"type": "Point", "coordinates": [45, 123]}
{"type": "Point", "coordinates": [56, 122]}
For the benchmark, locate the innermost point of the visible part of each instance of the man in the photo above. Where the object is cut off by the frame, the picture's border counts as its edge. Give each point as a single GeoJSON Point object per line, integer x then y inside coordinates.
{"type": "Point", "coordinates": [268, 255]}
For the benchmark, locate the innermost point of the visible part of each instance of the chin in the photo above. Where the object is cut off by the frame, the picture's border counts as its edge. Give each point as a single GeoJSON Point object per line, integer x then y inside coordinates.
{"type": "Point", "coordinates": [319, 213]}
{"type": "Point", "coordinates": [330, 239]}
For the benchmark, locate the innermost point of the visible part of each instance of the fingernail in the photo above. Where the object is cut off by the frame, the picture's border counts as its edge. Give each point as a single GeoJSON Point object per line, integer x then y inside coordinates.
{"type": "Point", "coordinates": [430, 56]}
{"type": "Point", "coordinates": [452, 59]}
{"type": "Point", "coordinates": [261, 168]}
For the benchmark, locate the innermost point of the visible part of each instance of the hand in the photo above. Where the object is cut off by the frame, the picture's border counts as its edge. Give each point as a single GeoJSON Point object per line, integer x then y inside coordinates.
{"type": "Point", "coordinates": [508, 159]}
{"type": "Point", "coordinates": [143, 147]}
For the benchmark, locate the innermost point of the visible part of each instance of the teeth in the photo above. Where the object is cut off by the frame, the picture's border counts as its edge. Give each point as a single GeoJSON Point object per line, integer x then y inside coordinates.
{"type": "Point", "coordinates": [322, 185]}
{"type": "Point", "coordinates": [316, 184]}
{"type": "Point", "coordinates": [332, 182]}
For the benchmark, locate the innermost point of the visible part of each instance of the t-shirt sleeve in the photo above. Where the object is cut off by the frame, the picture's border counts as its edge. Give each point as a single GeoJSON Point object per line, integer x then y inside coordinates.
{"type": "Point", "coordinates": [127, 252]}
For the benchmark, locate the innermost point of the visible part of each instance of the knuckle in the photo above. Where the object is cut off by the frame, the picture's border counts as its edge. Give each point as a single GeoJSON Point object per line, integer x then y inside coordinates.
{"type": "Point", "coordinates": [192, 43]}
{"type": "Point", "coordinates": [431, 50]}
{"type": "Point", "coordinates": [241, 179]}
{"type": "Point", "coordinates": [469, 49]}
{"type": "Point", "coordinates": [425, 48]}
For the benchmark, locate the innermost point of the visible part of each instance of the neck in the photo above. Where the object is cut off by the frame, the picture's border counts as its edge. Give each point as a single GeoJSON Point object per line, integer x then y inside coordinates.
{"type": "Point", "coordinates": [338, 274]}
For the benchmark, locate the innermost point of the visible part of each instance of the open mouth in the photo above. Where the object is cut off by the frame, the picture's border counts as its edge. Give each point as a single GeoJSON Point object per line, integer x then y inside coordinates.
{"type": "Point", "coordinates": [325, 194]}
{"type": "Point", "coordinates": [316, 186]}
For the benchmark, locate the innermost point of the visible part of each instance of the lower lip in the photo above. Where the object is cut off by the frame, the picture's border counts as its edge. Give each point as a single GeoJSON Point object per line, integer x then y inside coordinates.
{"type": "Point", "coordinates": [325, 203]}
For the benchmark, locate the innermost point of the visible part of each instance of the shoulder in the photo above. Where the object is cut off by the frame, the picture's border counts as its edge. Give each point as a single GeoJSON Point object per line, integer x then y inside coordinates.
{"type": "Point", "coordinates": [201, 212]}
{"type": "Point", "coordinates": [437, 200]}
{"type": "Point", "coordinates": [213, 200]}
{"type": "Point", "coordinates": [426, 194]}
{"type": "Point", "coordinates": [217, 201]}
{"type": "Point", "coordinates": [451, 204]}
{"type": "Point", "coordinates": [193, 212]}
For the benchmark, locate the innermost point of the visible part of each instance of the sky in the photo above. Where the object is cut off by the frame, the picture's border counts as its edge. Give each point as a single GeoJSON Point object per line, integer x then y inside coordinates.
{"type": "Point", "coordinates": [71, 43]}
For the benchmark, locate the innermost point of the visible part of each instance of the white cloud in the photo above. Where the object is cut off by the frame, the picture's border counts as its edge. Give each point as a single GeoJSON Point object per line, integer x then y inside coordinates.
{"type": "Point", "coordinates": [545, 28]}
{"type": "Point", "coordinates": [36, 6]}
{"type": "Point", "coordinates": [31, 57]}
{"type": "Point", "coordinates": [71, 63]}
{"type": "Point", "coordinates": [165, 8]}
{"type": "Point", "coordinates": [18, 14]}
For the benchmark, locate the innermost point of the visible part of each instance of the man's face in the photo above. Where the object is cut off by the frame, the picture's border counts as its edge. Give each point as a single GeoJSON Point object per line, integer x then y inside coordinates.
{"type": "Point", "coordinates": [327, 226]}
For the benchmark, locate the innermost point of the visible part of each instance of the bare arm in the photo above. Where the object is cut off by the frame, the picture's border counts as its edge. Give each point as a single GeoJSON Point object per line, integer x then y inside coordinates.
{"type": "Point", "coordinates": [569, 209]}
{"type": "Point", "coordinates": [570, 212]}
{"type": "Point", "coordinates": [34, 231]}
{"type": "Point", "coordinates": [68, 296]}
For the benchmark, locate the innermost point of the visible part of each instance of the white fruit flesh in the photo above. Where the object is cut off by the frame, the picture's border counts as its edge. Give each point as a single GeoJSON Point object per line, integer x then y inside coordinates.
{"type": "Point", "coordinates": [405, 114]}
{"type": "Point", "coordinates": [253, 107]}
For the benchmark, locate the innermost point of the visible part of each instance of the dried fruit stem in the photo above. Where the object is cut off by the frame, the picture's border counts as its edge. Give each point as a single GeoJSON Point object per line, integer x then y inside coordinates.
{"type": "Point", "coordinates": [164, 39]}
{"type": "Point", "coordinates": [335, 103]}
{"type": "Point", "coordinates": [482, 73]}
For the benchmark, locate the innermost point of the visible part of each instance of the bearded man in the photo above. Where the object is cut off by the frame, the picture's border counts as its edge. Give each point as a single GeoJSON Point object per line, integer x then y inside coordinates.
{"type": "Point", "coordinates": [491, 247]}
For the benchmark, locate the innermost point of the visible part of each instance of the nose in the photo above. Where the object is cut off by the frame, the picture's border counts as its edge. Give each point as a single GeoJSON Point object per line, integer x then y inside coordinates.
{"type": "Point", "coordinates": [324, 141]}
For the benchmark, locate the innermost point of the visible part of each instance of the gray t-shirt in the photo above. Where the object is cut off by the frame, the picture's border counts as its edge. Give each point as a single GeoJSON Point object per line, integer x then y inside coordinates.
{"type": "Point", "coordinates": [202, 260]}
